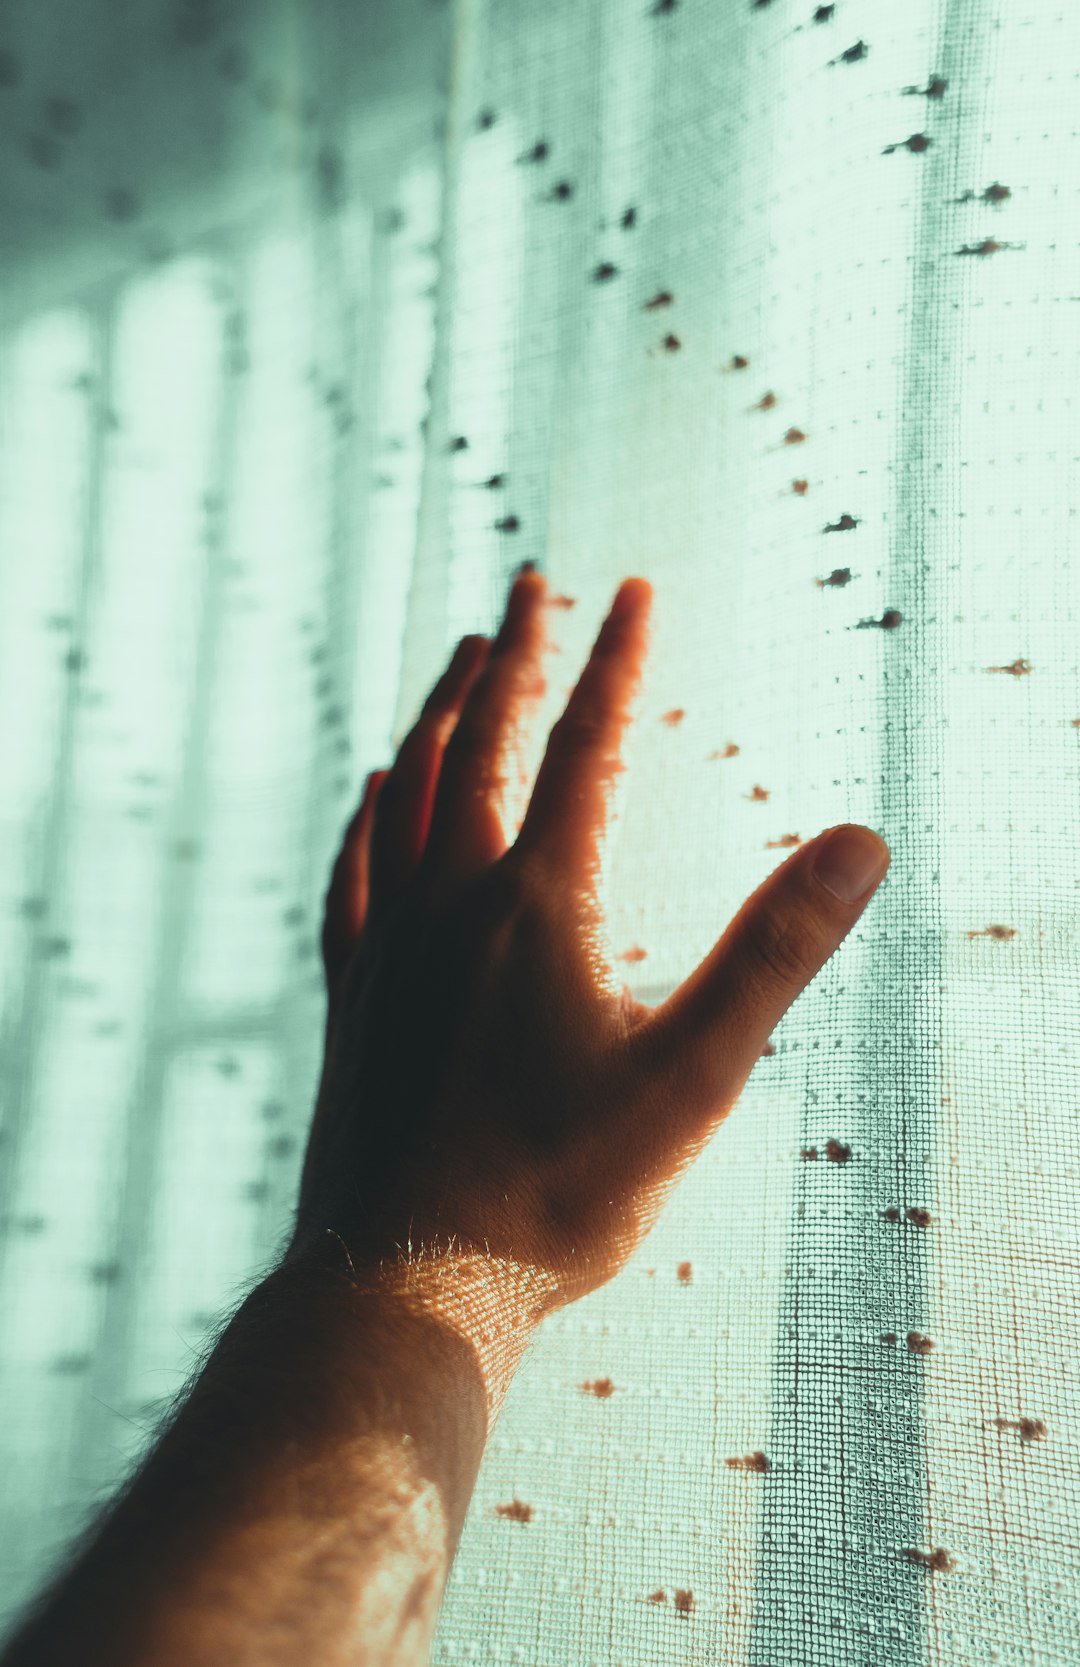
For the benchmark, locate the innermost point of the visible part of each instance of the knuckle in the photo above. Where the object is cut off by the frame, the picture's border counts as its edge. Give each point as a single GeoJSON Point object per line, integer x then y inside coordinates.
{"type": "Point", "coordinates": [780, 949]}
{"type": "Point", "coordinates": [579, 729]}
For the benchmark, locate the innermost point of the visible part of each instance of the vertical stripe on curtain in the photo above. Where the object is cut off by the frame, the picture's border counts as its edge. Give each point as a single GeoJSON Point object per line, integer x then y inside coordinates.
{"type": "Point", "coordinates": [313, 325]}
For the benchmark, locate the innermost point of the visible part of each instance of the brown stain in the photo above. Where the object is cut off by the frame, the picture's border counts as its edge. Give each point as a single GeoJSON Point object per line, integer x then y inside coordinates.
{"type": "Point", "coordinates": [809, 1153]}
{"type": "Point", "coordinates": [1030, 1429]}
{"type": "Point", "coordinates": [635, 954]}
{"type": "Point", "coordinates": [515, 1511]}
{"type": "Point", "coordinates": [607, 269]}
{"type": "Point", "coordinates": [916, 143]}
{"type": "Point", "coordinates": [892, 1213]}
{"type": "Point", "coordinates": [920, 1217]}
{"type": "Point", "coordinates": [663, 299]}
{"type": "Point", "coordinates": [936, 89]}
{"type": "Point", "coordinates": [836, 1152]}
{"type": "Point", "coordinates": [684, 1272]}
{"type": "Point", "coordinates": [602, 1388]}
{"type": "Point", "coordinates": [765, 403]}
{"type": "Point", "coordinates": [757, 795]}
{"type": "Point", "coordinates": [802, 487]}
{"type": "Point", "coordinates": [844, 525]}
{"type": "Point", "coordinates": [675, 716]}
{"type": "Point", "coordinates": [988, 246]}
{"type": "Point", "coordinates": [731, 750]}
{"type": "Point", "coordinates": [784, 842]}
{"type": "Point", "coordinates": [938, 1559]}
{"type": "Point", "coordinates": [890, 619]}
{"type": "Point", "coordinates": [1018, 668]}
{"type": "Point", "coordinates": [918, 1344]}
{"type": "Point", "coordinates": [999, 932]}
{"type": "Point", "coordinates": [659, 1596]}
{"type": "Point", "coordinates": [684, 1601]}
{"type": "Point", "coordinates": [794, 437]}
{"type": "Point", "coordinates": [672, 343]}
{"type": "Point", "coordinates": [752, 1461]}
{"type": "Point", "coordinates": [838, 576]}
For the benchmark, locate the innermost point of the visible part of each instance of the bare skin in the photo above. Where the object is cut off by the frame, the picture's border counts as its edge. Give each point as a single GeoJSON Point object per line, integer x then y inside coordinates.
{"type": "Point", "coordinates": [498, 1125]}
{"type": "Point", "coordinates": [488, 1084]}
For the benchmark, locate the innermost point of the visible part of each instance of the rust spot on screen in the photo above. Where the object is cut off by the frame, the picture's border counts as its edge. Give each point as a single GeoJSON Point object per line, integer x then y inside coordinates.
{"type": "Point", "coordinates": [836, 1152]}
{"type": "Point", "coordinates": [765, 403]}
{"type": "Point", "coordinates": [809, 1153]}
{"type": "Point", "coordinates": [515, 1511]}
{"type": "Point", "coordinates": [684, 1601]}
{"type": "Point", "coordinates": [918, 1344]}
{"type": "Point", "coordinates": [920, 1217]}
{"type": "Point", "coordinates": [994, 932]}
{"type": "Point", "coordinates": [602, 1388]}
{"type": "Point", "coordinates": [635, 954]}
{"type": "Point", "coordinates": [663, 299]}
{"type": "Point", "coordinates": [1030, 1429]}
{"type": "Point", "coordinates": [892, 1213]}
{"type": "Point", "coordinates": [684, 1273]}
{"type": "Point", "coordinates": [783, 843]}
{"type": "Point", "coordinates": [838, 576]}
{"type": "Point", "coordinates": [752, 1461]}
{"type": "Point", "coordinates": [675, 716]}
{"type": "Point", "coordinates": [917, 143]}
{"type": "Point", "coordinates": [937, 1559]}
{"type": "Point", "coordinates": [1019, 668]}
{"type": "Point", "coordinates": [731, 750]}
{"type": "Point", "coordinates": [936, 89]}
{"type": "Point", "coordinates": [758, 794]}
{"type": "Point", "coordinates": [988, 246]}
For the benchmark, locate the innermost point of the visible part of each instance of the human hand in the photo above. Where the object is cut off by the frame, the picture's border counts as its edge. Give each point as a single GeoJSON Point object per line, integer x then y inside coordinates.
{"type": "Point", "coordinates": [489, 1087]}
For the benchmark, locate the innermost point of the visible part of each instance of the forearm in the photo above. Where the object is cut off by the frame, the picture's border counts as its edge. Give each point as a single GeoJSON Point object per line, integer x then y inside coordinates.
{"type": "Point", "coordinates": [307, 1501]}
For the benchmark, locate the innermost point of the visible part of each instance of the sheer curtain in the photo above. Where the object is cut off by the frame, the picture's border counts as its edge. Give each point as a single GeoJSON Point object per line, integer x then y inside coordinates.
{"type": "Point", "coordinates": [316, 320]}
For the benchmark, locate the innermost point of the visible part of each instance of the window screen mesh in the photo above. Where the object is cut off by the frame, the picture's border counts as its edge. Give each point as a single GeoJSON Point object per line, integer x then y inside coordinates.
{"type": "Point", "coordinates": [316, 320]}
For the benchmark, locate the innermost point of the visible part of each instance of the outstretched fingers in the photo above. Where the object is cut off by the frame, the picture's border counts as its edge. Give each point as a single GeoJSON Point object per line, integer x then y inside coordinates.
{"type": "Point", "coordinates": [567, 814]}
{"type": "Point", "coordinates": [401, 830]}
{"type": "Point", "coordinates": [467, 835]}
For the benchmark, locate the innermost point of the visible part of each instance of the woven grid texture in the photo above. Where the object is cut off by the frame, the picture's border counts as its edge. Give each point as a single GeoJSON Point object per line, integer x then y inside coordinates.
{"type": "Point", "coordinates": [315, 320]}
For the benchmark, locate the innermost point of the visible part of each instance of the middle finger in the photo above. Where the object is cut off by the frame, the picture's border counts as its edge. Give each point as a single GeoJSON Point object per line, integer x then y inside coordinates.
{"type": "Point", "coordinates": [466, 834]}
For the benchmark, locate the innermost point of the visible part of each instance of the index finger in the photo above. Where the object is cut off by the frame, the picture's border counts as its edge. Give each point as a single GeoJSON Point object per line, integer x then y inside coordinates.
{"type": "Point", "coordinates": [567, 815]}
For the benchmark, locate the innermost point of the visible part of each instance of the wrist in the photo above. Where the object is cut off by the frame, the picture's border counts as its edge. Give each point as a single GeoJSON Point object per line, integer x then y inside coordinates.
{"type": "Point", "coordinates": [490, 1302]}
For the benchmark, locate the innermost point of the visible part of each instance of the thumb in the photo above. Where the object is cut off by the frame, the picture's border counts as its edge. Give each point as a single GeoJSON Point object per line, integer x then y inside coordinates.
{"type": "Point", "coordinates": [704, 1041]}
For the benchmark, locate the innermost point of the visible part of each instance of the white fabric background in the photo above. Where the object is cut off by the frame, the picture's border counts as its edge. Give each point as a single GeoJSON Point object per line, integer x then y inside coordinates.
{"type": "Point", "coordinates": [261, 265]}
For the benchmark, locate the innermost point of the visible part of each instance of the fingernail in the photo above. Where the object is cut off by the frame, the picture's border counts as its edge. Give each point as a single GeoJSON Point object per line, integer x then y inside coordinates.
{"type": "Point", "coordinates": [849, 862]}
